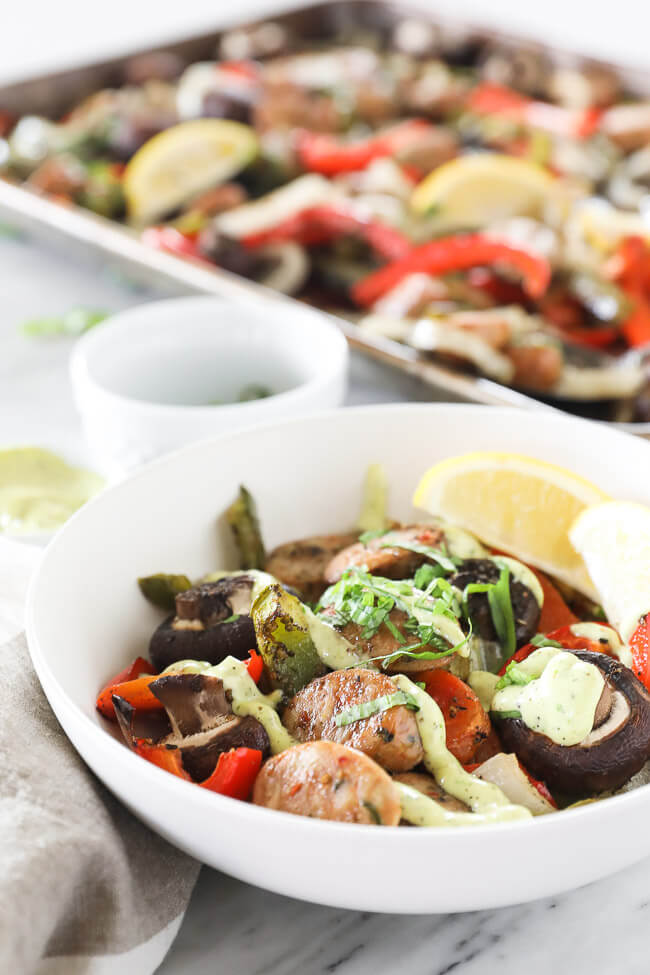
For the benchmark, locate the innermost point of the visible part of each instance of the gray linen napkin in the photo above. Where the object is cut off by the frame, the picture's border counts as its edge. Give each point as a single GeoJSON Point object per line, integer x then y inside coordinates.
{"type": "Point", "coordinates": [85, 888]}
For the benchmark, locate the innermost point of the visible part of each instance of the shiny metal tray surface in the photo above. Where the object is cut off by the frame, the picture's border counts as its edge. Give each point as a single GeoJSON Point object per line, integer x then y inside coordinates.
{"type": "Point", "coordinates": [81, 231]}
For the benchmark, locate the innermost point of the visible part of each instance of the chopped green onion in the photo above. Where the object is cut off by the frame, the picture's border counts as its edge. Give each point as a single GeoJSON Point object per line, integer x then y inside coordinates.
{"type": "Point", "coordinates": [367, 708]}
{"type": "Point", "coordinates": [539, 640]}
{"type": "Point", "coordinates": [232, 619]}
{"type": "Point", "coordinates": [506, 714]}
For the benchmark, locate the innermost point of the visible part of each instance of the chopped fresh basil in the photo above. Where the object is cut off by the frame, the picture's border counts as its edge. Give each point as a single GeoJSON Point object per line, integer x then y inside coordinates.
{"type": "Point", "coordinates": [366, 537]}
{"type": "Point", "coordinates": [426, 574]}
{"type": "Point", "coordinates": [513, 675]}
{"type": "Point", "coordinates": [373, 811]}
{"type": "Point", "coordinates": [437, 555]}
{"type": "Point", "coordinates": [410, 652]}
{"type": "Point", "coordinates": [367, 708]}
{"type": "Point", "coordinates": [539, 640]}
{"type": "Point", "coordinates": [394, 631]}
{"type": "Point", "coordinates": [503, 617]}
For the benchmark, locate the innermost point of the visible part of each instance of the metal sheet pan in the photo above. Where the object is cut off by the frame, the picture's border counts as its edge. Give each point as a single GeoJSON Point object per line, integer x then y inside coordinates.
{"type": "Point", "coordinates": [80, 230]}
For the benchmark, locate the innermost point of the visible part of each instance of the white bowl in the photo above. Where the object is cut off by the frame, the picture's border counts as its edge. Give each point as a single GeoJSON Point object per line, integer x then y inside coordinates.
{"type": "Point", "coordinates": [86, 620]}
{"type": "Point", "coordinates": [144, 378]}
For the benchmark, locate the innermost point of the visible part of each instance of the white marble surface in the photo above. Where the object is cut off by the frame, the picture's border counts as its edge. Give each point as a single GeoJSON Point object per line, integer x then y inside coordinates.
{"type": "Point", "coordinates": [234, 929]}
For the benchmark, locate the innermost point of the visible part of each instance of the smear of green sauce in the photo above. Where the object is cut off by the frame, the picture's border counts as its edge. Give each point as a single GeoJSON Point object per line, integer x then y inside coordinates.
{"type": "Point", "coordinates": [39, 491]}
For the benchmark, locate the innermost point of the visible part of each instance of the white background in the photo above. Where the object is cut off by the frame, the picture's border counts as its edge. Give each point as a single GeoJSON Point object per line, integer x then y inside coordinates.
{"type": "Point", "coordinates": [49, 33]}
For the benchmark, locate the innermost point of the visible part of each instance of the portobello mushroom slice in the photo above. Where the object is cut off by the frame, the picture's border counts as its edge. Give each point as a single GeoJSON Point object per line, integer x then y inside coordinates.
{"type": "Point", "coordinates": [199, 722]}
{"type": "Point", "coordinates": [211, 623]}
{"type": "Point", "coordinates": [138, 725]}
{"type": "Point", "coordinates": [615, 749]}
{"type": "Point", "coordinates": [525, 607]}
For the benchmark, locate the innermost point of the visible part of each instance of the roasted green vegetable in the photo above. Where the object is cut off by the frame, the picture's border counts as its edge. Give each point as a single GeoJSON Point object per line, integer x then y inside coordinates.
{"type": "Point", "coordinates": [242, 518]}
{"type": "Point", "coordinates": [374, 501]}
{"type": "Point", "coordinates": [284, 641]}
{"type": "Point", "coordinates": [161, 589]}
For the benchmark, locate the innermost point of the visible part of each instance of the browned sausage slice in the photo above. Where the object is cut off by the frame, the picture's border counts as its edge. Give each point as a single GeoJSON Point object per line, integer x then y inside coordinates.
{"type": "Point", "coordinates": [324, 780]}
{"type": "Point", "coordinates": [390, 737]}
{"type": "Point", "coordinates": [301, 564]}
{"type": "Point", "coordinates": [382, 559]}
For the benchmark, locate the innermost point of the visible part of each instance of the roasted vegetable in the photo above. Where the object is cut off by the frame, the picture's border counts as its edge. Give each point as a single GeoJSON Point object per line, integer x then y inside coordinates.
{"type": "Point", "coordinates": [284, 641]}
{"type": "Point", "coordinates": [242, 518]}
{"type": "Point", "coordinates": [161, 589]}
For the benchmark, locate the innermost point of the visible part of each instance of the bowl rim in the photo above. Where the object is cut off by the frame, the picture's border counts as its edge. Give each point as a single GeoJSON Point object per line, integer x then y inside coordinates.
{"type": "Point", "coordinates": [248, 812]}
{"type": "Point", "coordinates": [83, 380]}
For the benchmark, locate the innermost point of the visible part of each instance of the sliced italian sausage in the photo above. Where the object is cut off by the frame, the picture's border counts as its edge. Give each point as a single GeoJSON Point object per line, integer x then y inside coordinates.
{"type": "Point", "coordinates": [380, 558]}
{"type": "Point", "coordinates": [324, 780]}
{"type": "Point", "coordinates": [390, 737]}
{"type": "Point", "coordinates": [301, 564]}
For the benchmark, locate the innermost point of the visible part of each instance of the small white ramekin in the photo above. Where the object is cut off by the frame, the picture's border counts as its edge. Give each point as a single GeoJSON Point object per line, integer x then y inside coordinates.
{"type": "Point", "coordinates": [142, 378]}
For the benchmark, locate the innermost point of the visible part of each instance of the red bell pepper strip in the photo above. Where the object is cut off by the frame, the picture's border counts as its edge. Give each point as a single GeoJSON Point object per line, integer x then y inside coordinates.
{"type": "Point", "coordinates": [168, 759]}
{"type": "Point", "coordinates": [492, 99]}
{"type": "Point", "coordinates": [137, 669]}
{"type": "Point", "coordinates": [235, 773]}
{"type": "Point", "coordinates": [555, 612]}
{"type": "Point", "coordinates": [630, 268]}
{"type": "Point", "coordinates": [457, 253]}
{"type": "Point", "coordinates": [467, 724]}
{"type": "Point", "coordinates": [321, 153]}
{"type": "Point", "coordinates": [320, 225]}
{"type": "Point", "coordinates": [541, 787]}
{"type": "Point", "coordinates": [640, 647]}
{"type": "Point", "coordinates": [563, 635]}
{"type": "Point", "coordinates": [255, 665]}
{"type": "Point", "coordinates": [172, 241]}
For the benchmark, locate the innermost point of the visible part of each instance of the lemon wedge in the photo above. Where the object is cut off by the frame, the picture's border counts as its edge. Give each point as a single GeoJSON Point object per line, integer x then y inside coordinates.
{"type": "Point", "coordinates": [474, 190]}
{"type": "Point", "coordinates": [614, 541]}
{"type": "Point", "coordinates": [518, 504]}
{"type": "Point", "coordinates": [181, 162]}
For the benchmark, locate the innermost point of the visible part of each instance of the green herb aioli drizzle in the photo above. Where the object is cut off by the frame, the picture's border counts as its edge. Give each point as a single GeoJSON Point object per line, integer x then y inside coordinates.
{"type": "Point", "coordinates": [483, 798]}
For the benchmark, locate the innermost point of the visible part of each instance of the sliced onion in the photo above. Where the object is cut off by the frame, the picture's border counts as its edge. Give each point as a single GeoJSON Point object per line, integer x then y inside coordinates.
{"type": "Point", "coordinates": [290, 272]}
{"type": "Point", "coordinates": [429, 335]}
{"type": "Point", "coordinates": [504, 771]}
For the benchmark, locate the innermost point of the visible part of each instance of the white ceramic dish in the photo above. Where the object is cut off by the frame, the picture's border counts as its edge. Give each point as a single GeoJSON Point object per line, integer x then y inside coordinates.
{"type": "Point", "coordinates": [86, 619]}
{"type": "Point", "coordinates": [144, 378]}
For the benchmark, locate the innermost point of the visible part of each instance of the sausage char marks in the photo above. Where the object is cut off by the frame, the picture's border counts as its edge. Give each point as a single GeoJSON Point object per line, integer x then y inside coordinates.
{"type": "Point", "coordinates": [390, 737]}
{"type": "Point", "coordinates": [383, 559]}
{"type": "Point", "coordinates": [325, 780]}
{"type": "Point", "coordinates": [301, 564]}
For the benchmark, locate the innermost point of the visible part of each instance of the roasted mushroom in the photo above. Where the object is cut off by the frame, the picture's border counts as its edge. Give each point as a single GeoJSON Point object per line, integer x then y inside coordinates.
{"type": "Point", "coordinates": [211, 623]}
{"type": "Point", "coordinates": [200, 720]}
{"type": "Point", "coordinates": [615, 750]}
{"type": "Point", "coordinates": [526, 609]}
